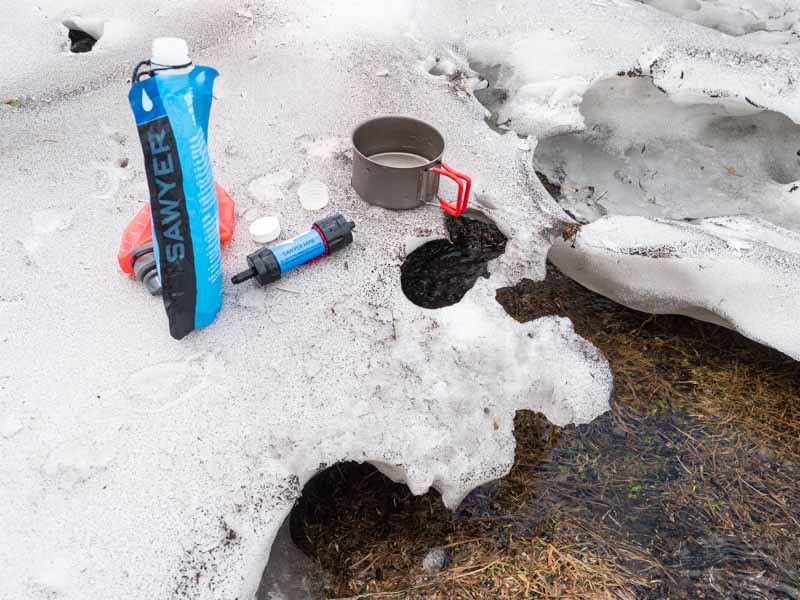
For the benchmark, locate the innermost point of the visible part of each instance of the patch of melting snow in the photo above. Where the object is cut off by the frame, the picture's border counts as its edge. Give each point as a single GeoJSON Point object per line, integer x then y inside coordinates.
{"type": "Point", "coordinates": [739, 272]}
{"type": "Point", "coordinates": [438, 66]}
{"type": "Point", "coordinates": [270, 188]}
{"type": "Point", "coordinates": [716, 163]}
{"type": "Point", "coordinates": [290, 574]}
{"type": "Point", "coordinates": [632, 159]}
{"type": "Point", "coordinates": [683, 135]}
{"type": "Point", "coordinates": [180, 476]}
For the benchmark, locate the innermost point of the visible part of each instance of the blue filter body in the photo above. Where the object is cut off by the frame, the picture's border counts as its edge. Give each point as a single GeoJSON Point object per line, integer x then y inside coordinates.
{"type": "Point", "coordinates": [299, 250]}
{"type": "Point", "coordinates": [327, 236]}
{"type": "Point", "coordinates": [172, 115]}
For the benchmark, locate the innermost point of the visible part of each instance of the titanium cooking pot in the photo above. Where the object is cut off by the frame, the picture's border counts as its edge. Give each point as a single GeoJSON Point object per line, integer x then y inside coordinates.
{"type": "Point", "coordinates": [397, 163]}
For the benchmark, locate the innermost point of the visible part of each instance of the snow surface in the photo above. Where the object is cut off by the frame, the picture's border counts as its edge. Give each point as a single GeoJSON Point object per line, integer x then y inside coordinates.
{"type": "Point", "coordinates": [768, 21]}
{"type": "Point", "coordinates": [642, 154]}
{"type": "Point", "coordinates": [135, 466]}
{"type": "Point", "coordinates": [739, 272]}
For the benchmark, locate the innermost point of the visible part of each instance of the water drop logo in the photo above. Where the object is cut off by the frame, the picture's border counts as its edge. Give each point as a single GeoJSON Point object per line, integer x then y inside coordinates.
{"type": "Point", "coordinates": [147, 103]}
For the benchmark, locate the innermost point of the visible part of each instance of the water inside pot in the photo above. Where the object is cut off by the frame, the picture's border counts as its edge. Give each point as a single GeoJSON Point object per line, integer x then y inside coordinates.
{"type": "Point", "coordinates": [401, 160]}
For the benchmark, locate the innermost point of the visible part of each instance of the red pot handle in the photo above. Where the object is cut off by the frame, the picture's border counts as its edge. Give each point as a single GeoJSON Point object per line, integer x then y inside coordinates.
{"type": "Point", "coordinates": [464, 186]}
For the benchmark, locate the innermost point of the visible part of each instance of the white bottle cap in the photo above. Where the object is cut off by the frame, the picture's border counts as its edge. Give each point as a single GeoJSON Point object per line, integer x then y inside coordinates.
{"type": "Point", "coordinates": [169, 52]}
{"type": "Point", "coordinates": [313, 195]}
{"type": "Point", "coordinates": [265, 230]}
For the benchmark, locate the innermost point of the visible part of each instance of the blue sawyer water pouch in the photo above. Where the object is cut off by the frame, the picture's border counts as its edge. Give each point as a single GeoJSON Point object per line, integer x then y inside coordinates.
{"type": "Point", "coordinates": [172, 112]}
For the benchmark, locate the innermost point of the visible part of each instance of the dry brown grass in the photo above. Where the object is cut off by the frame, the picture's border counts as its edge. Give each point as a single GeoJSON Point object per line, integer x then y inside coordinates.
{"type": "Point", "coordinates": [371, 536]}
{"type": "Point", "coordinates": [687, 489]}
{"type": "Point", "coordinates": [663, 360]}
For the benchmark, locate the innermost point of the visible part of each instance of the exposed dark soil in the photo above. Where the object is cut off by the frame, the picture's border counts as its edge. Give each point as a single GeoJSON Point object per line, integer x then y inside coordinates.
{"type": "Point", "coordinates": [688, 488]}
{"type": "Point", "coordinates": [439, 273]}
{"type": "Point", "coordinates": [80, 41]}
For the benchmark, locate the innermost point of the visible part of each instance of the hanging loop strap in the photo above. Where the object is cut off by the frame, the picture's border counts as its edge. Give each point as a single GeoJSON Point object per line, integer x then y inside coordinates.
{"type": "Point", "coordinates": [137, 75]}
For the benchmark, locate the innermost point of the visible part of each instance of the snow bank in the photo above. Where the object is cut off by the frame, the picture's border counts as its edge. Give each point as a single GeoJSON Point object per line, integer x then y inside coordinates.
{"type": "Point", "coordinates": [739, 272]}
{"type": "Point", "coordinates": [134, 466]}
{"type": "Point", "coordinates": [511, 367]}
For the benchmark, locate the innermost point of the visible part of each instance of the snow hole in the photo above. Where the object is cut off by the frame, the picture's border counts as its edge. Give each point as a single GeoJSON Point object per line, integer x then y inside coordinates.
{"type": "Point", "coordinates": [349, 509]}
{"type": "Point", "coordinates": [340, 507]}
{"type": "Point", "coordinates": [83, 33]}
{"type": "Point", "coordinates": [440, 272]}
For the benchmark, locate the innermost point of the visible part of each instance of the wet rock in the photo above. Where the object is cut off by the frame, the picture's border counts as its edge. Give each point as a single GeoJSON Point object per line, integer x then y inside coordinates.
{"type": "Point", "coordinates": [436, 560]}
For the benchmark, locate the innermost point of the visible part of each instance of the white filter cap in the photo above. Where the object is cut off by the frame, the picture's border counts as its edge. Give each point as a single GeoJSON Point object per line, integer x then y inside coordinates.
{"type": "Point", "coordinates": [313, 195]}
{"type": "Point", "coordinates": [265, 230]}
{"type": "Point", "coordinates": [170, 51]}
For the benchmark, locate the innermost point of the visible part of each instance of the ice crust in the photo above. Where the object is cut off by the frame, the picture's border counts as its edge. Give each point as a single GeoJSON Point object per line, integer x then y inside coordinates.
{"type": "Point", "coordinates": [632, 159]}
{"type": "Point", "coordinates": [134, 466]}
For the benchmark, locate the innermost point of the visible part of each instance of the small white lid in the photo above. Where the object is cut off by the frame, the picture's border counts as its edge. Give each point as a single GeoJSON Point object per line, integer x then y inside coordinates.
{"type": "Point", "coordinates": [170, 52]}
{"type": "Point", "coordinates": [313, 195]}
{"type": "Point", "coordinates": [265, 230]}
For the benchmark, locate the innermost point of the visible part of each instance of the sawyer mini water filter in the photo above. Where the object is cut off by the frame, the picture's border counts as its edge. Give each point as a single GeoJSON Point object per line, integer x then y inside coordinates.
{"type": "Point", "coordinates": [171, 107]}
{"type": "Point", "coordinates": [325, 237]}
